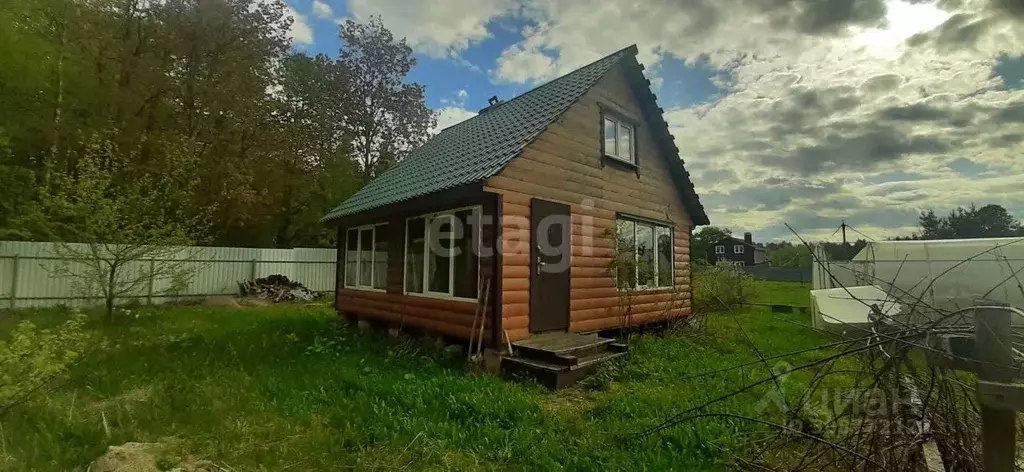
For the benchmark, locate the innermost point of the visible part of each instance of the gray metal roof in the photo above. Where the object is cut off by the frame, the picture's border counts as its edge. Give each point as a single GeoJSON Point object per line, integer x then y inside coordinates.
{"type": "Point", "coordinates": [480, 147]}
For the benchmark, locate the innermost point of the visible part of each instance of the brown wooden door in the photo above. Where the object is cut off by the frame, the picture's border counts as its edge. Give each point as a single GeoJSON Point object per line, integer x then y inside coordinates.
{"type": "Point", "coordinates": [550, 251]}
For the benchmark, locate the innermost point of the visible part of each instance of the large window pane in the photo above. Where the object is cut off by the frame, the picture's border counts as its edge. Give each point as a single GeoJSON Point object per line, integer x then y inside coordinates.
{"type": "Point", "coordinates": [351, 257]}
{"type": "Point", "coordinates": [610, 133]}
{"type": "Point", "coordinates": [365, 257]}
{"type": "Point", "coordinates": [626, 254]}
{"type": "Point", "coordinates": [664, 256]}
{"type": "Point", "coordinates": [380, 257]}
{"type": "Point", "coordinates": [439, 254]}
{"type": "Point", "coordinates": [414, 255]}
{"type": "Point", "coordinates": [466, 265]}
{"type": "Point", "coordinates": [645, 255]}
{"type": "Point", "coordinates": [626, 142]}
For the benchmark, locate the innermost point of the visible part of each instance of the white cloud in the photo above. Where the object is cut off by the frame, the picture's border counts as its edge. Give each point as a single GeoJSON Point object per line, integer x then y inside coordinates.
{"type": "Point", "coordinates": [832, 109]}
{"type": "Point", "coordinates": [451, 115]}
{"type": "Point", "coordinates": [300, 31]}
{"type": "Point", "coordinates": [458, 102]}
{"type": "Point", "coordinates": [904, 21]}
{"type": "Point", "coordinates": [824, 104]}
{"type": "Point", "coordinates": [440, 28]}
{"type": "Point", "coordinates": [322, 10]}
{"type": "Point", "coordinates": [521, 63]}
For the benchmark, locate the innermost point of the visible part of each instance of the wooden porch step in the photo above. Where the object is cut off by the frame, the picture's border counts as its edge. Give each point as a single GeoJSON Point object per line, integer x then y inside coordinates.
{"type": "Point", "coordinates": [558, 360]}
{"type": "Point", "coordinates": [551, 375]}
{"type": "Point", "coordinates": [562, 348]}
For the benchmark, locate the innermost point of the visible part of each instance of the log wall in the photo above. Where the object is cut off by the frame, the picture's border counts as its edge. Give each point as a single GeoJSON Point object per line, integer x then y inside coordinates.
{"type": "Point", "coordinates": [564, 164]}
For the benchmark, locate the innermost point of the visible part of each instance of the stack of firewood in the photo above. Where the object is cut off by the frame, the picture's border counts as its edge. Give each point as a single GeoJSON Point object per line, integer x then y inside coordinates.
{"type": "Point", "coordinates": [276, 288]}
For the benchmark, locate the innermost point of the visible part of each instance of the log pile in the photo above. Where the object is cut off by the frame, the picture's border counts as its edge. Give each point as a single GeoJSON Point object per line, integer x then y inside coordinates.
{"type": "Point", "coordinates": [276, 288]}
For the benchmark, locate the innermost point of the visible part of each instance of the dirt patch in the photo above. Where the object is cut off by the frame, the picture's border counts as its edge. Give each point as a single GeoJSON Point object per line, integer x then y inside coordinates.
{"type": "Point", "coordinates": [252, 302]}
{"type": "Point", "coordinates": [566, 400]}
{"type": "Point", "coordinates": [147, 457]}
{"type": "Point", "coordinates": [127, 400]}
{"type": "Point", "coordinates": [222, 300]}
{"type": "Point", "coordinates": [128, 457]}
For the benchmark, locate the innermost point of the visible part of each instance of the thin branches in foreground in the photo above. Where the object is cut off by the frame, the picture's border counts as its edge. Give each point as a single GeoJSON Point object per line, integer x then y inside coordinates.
{"type": "Point", "coordinates": [872, 402]}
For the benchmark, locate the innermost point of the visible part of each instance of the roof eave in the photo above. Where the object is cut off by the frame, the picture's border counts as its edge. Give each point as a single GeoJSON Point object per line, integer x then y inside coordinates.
{"type": "Point", "coordinates": [664, 139]}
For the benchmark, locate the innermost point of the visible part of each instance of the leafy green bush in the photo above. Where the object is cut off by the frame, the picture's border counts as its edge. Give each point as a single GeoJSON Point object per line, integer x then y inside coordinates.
{"type": "Point", "coordinates": [721, 287]}
{"type": "Point", "coordinates": [31, 358]}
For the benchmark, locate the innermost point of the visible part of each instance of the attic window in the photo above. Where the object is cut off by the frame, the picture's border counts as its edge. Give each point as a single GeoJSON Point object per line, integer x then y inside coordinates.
{"type": "Point", "coordinates": [618, 136]}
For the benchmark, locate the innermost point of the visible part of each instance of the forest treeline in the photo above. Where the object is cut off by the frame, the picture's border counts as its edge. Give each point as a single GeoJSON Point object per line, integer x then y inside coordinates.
{"type": "Point", "coordinates": [192, 118]}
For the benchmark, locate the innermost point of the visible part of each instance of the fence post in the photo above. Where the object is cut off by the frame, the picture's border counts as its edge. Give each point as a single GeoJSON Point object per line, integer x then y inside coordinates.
{"type": "Point", "coordinates": [252, 270]}
{"type": "Point", "coordinates": [14, 282]}
{"type": "Point", "coordinates": [149, 289]}
{"type": "Point", "coordinates": [992, 338]}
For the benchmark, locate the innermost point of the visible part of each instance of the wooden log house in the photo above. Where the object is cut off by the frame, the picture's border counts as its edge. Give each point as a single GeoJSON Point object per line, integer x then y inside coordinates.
{"type": "Point", "coordinates": [527, 193]}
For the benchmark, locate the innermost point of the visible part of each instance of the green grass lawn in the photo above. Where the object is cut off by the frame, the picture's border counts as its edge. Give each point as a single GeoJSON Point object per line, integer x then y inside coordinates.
{"type": "Point", "coordinates": [285, 387]}
{"type": "Point", "coordinates": [782, 293]}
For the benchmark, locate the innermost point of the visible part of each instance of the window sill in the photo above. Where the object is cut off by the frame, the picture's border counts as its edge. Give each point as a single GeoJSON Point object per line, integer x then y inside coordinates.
{"type": "Point", "coordinates": [652, 289]}
{"type": "Point", "coordinates": [441, 296]}
{"type": "Point", "coordinates": [619, 162]}
{"type": "Point", "coordinates": [365, 289]}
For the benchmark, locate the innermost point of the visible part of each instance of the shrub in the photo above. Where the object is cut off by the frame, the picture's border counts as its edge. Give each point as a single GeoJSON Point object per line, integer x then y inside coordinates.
{"type": "Point", "coordinates": [721, 287]}
{"type": "Point", "coordinates": [31, 358]}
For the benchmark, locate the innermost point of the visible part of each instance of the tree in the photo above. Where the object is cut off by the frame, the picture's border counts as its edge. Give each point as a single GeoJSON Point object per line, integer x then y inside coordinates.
{"type": "Point", "coordinates": [989, 221]}
{"type": "Point", "coordinates": [388, 117]}
{"type": "Point", "coordinates": [318, 170]}
{"type": "Point", "coordinates": [931, 226]}
{"type": "Point", "coordinates": [786, 254]}
{"type": "Point", "coordinates": [274, 138]}
{"type": "Point", "coordinates": [17, 187]}
{"type": "Point", "coordinates": [115, 230]}
{"type": "Point", "coordinates": [702, 241]}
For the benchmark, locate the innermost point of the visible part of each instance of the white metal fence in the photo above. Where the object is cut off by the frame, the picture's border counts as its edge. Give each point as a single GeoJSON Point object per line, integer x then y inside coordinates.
{"type": "Point", "coordinates": [25, 280]}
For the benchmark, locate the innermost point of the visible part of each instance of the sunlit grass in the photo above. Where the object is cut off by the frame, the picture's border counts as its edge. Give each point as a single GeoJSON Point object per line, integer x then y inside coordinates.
{"type": "Point", "coordinates": [287, 387]}
{"type": "Point", "coordinates": [782, 293]}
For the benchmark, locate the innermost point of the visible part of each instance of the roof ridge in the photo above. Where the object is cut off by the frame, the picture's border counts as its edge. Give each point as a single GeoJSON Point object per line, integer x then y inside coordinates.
{"type": "Point", "coordinates": [632, 49]}
{"type": "Point", "coordinates": [481, 146]}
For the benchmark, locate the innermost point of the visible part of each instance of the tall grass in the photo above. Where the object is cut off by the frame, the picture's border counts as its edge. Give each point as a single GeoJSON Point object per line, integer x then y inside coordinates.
{"type": "Point", "coordinates": [285, 387]}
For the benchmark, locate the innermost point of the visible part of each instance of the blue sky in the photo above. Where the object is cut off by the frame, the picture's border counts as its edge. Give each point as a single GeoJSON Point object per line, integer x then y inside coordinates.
{"type": "Point", "coordinates": [867, 111]}
{"type": "Point", "coordinates": [472, 72]}
{"type": "Point", "coordinates": [443, 77]}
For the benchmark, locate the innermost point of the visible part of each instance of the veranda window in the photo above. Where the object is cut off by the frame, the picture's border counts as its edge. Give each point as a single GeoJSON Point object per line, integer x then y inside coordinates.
{"type": "Point", "coordinates": [441, 254]}
{"type": "Point", "coordinates": [366, 257]}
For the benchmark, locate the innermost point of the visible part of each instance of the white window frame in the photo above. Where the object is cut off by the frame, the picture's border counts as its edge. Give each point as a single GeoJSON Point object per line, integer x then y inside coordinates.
{"type": "Point", "coordinates": [620, 124]}
{"type": "Point", "coordinates": [720, 249]}
{"type": "Point", "coordinates": [359, 249]}
{"type": "Point", "coordinates": [636, 257]}
{"type": "Point", "coordinates": [478, 210]}
{"type": "Point", "coordinates": [737, 249]}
